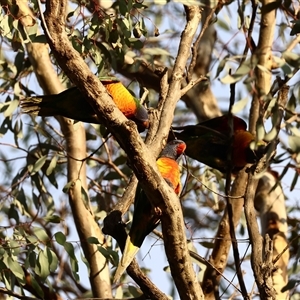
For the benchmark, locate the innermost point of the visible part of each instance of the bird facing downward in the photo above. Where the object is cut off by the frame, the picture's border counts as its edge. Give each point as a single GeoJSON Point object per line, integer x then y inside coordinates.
{"type": "Point", "coordinates": [145, 216]}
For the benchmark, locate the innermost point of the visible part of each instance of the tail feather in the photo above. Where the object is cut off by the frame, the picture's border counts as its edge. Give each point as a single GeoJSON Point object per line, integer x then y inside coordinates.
{"type": "Point", "coordinates": [39, 106]}
{"type": "Point", "coordinates": [69, 103]}
{"type": "Point", "coordinates": [129, 253]}
{"type": "Point", "coordinates": [31, 105]}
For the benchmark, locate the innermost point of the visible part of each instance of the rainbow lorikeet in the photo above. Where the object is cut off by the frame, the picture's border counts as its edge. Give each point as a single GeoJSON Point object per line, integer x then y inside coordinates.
{"type": "Point", "coordinates": [208, 142]}
{"type": "Point", "coordinates": [146, 217]}
{"type": "Point", "coordinates": [72, 104]}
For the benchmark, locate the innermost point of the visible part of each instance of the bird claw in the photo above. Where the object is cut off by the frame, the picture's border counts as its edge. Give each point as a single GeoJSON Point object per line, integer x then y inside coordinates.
{"type": "Point", "coordinates": [153, 113]}
{"type": "Point", "coordinates": [157, 211]}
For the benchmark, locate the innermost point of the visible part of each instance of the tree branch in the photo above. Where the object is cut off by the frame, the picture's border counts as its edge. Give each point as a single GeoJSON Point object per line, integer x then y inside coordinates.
{"type": "Point", "coordinates": [262, 270]}
{"type": "Point", "coordinates": [74, 135]}
{"type": "Point", "coordinates": [270, 203]}
{"type": "Point", "coordinates": [264, 56]}
{"type": "Point", "coordinates": [140, 158]}
{"type": "Point", "coordinates": [222, 243]}
{"type": "Point", "coordinates": [114, 227]}
{"type": "Point", "coordinates": [263, 52]}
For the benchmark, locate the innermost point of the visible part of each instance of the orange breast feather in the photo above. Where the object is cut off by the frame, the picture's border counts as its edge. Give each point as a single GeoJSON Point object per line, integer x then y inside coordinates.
{"type": "Point", "coordinates": [122, 97]}
{"type": "Point", "coordinates": [169, 170]}
{"type": "Point", "coordinates": [242, 140]}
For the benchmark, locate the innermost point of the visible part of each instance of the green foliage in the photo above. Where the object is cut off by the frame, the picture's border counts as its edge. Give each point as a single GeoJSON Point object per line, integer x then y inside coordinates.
{"type": "Point", "coordinates": [35, 164]}
{"type": "Point", "coordinates": [38, 240]}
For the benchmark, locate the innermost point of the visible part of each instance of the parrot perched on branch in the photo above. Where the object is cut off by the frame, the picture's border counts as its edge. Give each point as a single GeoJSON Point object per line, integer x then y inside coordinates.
{"type": "Point", "coordinates": [209, 143]}
{"type": "Point", "coordinates": [146, 217]}
{"type": "Point", "coordinates": [72, 104]}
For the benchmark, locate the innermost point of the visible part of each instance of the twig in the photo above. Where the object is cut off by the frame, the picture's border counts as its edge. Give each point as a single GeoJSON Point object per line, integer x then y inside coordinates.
{"type": "Point", "coordinates": [109, 163]}
{"type": "Point", "coordinates": [196, 44]}
{"type": "Point", "coordinates": [18, 296]}
{"type": "Point", "coordinates": [293, 43]}
{"type": "Point", "coordinates": [262, 272]}
{"type": "Point", "coordinates": [44, 25]}
{"type": "Point", "coordinates": [144, 96]}
{"type": "Point", "coordinates": [215, 192]}
{"type": "Point", "coordinates": [191, 84]}
{"type": "Point", "coordinates": [114, 227]}
{"type": "Point", "coordinates": [202, 260]}
{"type": "Point", "coordinates": [235, 249]}
{"type": "Point", "coordinates": [128, 196]}
{"type": "Point", "coordinates": [250, 30]}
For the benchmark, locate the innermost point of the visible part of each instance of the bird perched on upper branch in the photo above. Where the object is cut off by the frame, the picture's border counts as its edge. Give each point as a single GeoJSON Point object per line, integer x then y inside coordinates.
{"type": "Point", "coordinates": [209, 143]}
{"type": "Point", "coordinates": [146, 217]}
{"type": "Point", "coordinates": [72, 104]}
